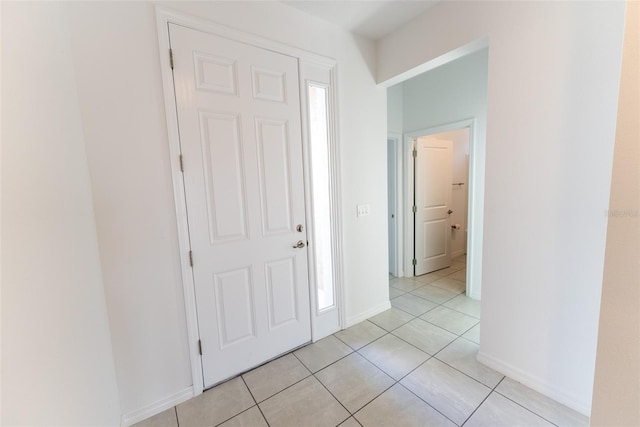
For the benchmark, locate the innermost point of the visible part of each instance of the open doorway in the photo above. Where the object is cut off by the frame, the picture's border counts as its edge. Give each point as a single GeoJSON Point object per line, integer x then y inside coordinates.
{"type": "Point", "coordinates": [440, 164]}
{"type": "Point", "coordinates": [447, 99]}
{"type": "Point", "coordinates": [447, 237]}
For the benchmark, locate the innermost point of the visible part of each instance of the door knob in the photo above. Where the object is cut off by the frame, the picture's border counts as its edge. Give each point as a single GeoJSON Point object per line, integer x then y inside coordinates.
{"type": "Point", "coordinates": [299, 245]}
{"type": "Point", "coordinates": [299, 228]}
{"type": "Point", "coordinates": [449, 211]}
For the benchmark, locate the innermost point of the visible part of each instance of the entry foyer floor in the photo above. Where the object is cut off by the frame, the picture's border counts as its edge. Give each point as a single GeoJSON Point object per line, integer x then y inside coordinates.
{"type": "Point", "coordinates": [413, 365]}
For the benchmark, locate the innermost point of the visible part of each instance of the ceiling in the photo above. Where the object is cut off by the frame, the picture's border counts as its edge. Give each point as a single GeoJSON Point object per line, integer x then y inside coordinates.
{"type": "Point", "coordinates": [373, 19]}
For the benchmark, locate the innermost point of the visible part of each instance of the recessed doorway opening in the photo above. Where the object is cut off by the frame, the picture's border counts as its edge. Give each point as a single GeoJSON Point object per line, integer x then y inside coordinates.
{"type": "Point", "coordinates": [447, 98]}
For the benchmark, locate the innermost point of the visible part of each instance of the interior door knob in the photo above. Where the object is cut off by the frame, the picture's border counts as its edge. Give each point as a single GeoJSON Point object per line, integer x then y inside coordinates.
{"type": "Point", "coordinates": [449, 211]}
{"type": "Point", "coordinates": [299, 245]}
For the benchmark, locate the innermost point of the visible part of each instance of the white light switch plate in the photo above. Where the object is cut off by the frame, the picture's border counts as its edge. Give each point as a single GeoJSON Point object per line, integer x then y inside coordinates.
{"type": "Point", "coordinates": [363, 210]}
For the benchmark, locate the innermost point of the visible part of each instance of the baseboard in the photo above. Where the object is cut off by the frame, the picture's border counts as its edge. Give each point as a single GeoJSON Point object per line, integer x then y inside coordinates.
{"type": "Point", "coordinates": [474, 295]}
{"type": "Point", "coordinates": [155, 408]}
{"type": "Point", "coordinates": [535, 383]}
{"type": "Point", "coordinates": [352, 320]}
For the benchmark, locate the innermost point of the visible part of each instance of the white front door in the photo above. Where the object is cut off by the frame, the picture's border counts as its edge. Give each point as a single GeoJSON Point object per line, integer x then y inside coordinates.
{"type": "Point", "coordinates": [433, 173]}
{"type": "Point", "coordinates": [238, 110]}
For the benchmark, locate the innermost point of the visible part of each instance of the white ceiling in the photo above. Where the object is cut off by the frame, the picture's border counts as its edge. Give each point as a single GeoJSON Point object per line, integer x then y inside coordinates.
{"type": "Point", "coordinates": [372, 19]}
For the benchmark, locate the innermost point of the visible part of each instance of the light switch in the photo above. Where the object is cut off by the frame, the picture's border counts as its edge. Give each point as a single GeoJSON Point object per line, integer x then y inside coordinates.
{"type": "Point", "coordinates": [363, 210]}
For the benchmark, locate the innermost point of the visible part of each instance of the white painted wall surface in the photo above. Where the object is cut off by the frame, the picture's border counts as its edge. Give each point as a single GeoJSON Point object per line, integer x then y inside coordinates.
{"type": "Point", "coordinates": [57, 365]}
{"type": "Point", "coordinates": [120, 92]}
{"type": "Point", "coordinates": [449, 93]}
{"type": "Point", "coordinates": [554, 71]}
{"type": "Point", "coordinates": [394, 109]}
{"type": "Point", "coordinates": [118, 75]}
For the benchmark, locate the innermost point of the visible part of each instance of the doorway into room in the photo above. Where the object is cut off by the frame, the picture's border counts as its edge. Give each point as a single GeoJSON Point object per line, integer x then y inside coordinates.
{"type": "Point", "coordinates": [440, 164]}
{"type": "Point", "coordinates": [421, 106]}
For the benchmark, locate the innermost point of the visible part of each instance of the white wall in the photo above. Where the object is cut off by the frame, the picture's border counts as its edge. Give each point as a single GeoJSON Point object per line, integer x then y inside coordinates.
{"type": "Point", "coordinates": [57, 365]}
{"type": "Point", "coordinates": [449, 93]}
{"type": "Point", "coordinates": [552, 91]}
{"type": "Point", "coordinates": [395, 109]}
{"type": "Point", "coordinates": [120, 94]}
{"type": "Point", "coordinates": [118, 75]}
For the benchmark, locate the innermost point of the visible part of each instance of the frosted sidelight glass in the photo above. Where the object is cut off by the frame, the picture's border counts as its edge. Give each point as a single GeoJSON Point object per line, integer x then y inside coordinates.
{"type": "Point", "coordinates": [320, 184]}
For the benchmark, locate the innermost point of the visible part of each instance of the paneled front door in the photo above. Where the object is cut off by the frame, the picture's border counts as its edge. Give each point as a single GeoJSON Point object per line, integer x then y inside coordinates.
{"type": "Point", "coordinates": [238, 110]}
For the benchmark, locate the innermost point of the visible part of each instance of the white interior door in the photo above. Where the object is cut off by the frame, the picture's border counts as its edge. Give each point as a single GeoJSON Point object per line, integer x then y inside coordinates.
{"type": "Point", "coordinates": [238, 110]}
{"type": "Point", "coordinates": [433, 173]}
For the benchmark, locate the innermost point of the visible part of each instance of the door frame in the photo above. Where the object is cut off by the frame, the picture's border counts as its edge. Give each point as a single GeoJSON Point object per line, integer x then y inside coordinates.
{"type": "Point", "coordinates": [305, 59]}
{"type": "Point", "coordinates": [475, 199]}
{"type": "Point", "coordinates": [397, 142]}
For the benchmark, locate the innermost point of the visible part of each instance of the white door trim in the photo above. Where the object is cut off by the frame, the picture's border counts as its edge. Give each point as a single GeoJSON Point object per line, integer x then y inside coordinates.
{"type": "Point", "coordinates": [475, 199]}
{"type": "Point", "coordinates": [163, 18]}
{"type": "Point", "coordinates": [399, 267]}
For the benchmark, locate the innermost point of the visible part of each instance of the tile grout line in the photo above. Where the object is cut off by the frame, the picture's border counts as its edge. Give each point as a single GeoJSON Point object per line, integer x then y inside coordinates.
{"type": "Point", "coordinates": [175, 409]}
{"type": "Point", "coordinates": [387, 332]}
{"type": "Point", "coordinates": [483, 400]}
{"type": "Point", "coordinates": [286, 388]}
{"type": "Point", "coordinates": [431, 356]}
{"type": "Point", "coordinates": [313, 374]}
{"type": "Point", "coordinates": [332, 363]}
{"type": "Point", "coordinates": [378, 395]}
{"type": "Point", "coordinates": [439, 304]}
{"type": "Point", "coordinates": [335, 398]}
{"type": "Point", "coordinates": [397, 381]}
{"type": "Point", "coordinates": [464, 373]}
{"type": "Point", "coordinates": [437, 352]}
{"type": "Point", "coordinates": [386, 373]}
{"type": "Point", "coordinates": [354, 351]}
{"type": "Point", "coordinates": [524, 407]}
{"type": "Point", "coordinates": [255, 400]}
{"type": "Point", "coordinates": [425, 402]}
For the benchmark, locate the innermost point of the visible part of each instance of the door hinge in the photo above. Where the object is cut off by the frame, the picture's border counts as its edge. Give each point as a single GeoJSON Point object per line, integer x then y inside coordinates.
{"type": "Point", "coordinates": [181, 164]}
{"type": "Point", "coordinates": [171, 58]}
{"type": "Point", "coordinates": [414, 262]}
{"type": "Point", "coordinates": [191, 258]}
{"type": "Point", "coordinates": [200, 347]}
{"type": "Point", "coordinates": [414, 153]}
{"type": "Point", "coordinates": [414, 209]}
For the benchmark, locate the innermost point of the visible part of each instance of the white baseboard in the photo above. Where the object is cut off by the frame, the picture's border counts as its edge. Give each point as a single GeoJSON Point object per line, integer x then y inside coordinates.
{"type": "Point", "coordinates": [535, 383]}
{"type": "Point", "coordinates": [155, 408]}
{"type": "Point", "coordinates": [352, 320]}
{"type": "Point", "coordinates": [474, 295]}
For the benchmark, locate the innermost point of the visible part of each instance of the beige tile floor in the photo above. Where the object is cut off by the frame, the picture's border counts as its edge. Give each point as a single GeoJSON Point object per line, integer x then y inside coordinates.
{"type": "Point", "coordinates": [413, 365]}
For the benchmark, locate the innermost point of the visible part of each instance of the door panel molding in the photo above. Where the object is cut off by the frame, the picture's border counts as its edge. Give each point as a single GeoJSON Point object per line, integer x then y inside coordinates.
{"type": "Point", "coordinates": [309, 63]}
{"type": "Point", "coordinates": [433, 167]}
